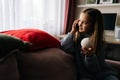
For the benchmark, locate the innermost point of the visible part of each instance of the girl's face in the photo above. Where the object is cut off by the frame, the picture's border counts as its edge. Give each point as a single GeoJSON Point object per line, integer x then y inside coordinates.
{"type": "Point", "coordinates": [84, 23]}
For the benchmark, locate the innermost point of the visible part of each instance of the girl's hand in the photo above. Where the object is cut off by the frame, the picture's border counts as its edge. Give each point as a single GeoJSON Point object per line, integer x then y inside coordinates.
{"type": "Point", "coordinates": [74, 29]}
{"type": "Point", "coordinates": [88, 51]}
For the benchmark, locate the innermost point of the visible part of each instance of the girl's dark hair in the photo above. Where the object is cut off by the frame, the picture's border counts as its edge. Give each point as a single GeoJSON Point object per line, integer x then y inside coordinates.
{"type": "Point", "coordinates": [97, 30]}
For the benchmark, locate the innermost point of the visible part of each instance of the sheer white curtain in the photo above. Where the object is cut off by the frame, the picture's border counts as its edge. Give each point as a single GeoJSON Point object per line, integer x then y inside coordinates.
{"type": "Point", "coordinates": [41, 14]}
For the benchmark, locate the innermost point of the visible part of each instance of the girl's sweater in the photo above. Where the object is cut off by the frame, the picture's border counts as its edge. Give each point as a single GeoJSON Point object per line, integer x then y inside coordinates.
{"type": "Point", "coordinates": [87, 66]}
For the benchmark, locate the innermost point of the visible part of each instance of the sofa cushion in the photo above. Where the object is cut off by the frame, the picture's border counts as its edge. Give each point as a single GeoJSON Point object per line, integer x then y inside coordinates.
{"type": "Point", "coordinates": [8, 44]}
{"type": "Point", "coordinates": [39, 38]}
{"type": "Point", "coordinates": [47, 64]}
{"type": "Point", "coordinates": [8, 69]}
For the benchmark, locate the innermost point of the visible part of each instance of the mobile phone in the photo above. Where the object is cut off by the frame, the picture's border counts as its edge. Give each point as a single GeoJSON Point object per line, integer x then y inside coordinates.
{"type": "Point", "coordinates": [77, 27]}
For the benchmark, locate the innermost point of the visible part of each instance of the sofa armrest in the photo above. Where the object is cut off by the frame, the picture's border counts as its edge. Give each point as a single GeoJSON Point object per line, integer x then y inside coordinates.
{"type": "Point", "coordinates": [115, 64]}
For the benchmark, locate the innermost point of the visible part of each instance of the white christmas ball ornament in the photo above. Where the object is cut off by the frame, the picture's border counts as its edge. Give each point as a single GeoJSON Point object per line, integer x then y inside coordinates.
{"type": "Point", "coordinates": [86, 43]}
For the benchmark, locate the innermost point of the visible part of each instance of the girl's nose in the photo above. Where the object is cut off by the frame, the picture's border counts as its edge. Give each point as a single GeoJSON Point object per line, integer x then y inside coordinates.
{"type": "Point", "coordinates": [80, 24]}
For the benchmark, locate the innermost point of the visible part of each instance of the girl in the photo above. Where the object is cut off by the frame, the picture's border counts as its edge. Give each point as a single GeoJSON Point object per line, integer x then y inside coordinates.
{"type": "Point", "coordinates": [90, 60]}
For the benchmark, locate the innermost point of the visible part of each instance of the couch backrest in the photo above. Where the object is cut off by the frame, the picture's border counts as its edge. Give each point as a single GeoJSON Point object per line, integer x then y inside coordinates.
{"type": "Point", "coordinates": [47, 64]}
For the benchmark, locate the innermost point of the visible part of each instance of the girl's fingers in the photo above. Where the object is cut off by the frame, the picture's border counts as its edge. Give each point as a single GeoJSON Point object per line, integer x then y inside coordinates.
{"type": "Point", "coordinates": [87, 51]}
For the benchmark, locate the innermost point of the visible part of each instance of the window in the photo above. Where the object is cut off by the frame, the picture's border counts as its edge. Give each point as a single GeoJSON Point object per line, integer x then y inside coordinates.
{"type": "Point", "coordinates": [42, 14]}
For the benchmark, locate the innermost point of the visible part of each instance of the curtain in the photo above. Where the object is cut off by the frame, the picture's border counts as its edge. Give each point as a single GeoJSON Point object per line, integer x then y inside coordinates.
{"type": "Point", "coordinates": [70, 6]}
{"type": "Point", "coordinates": [46, 15]}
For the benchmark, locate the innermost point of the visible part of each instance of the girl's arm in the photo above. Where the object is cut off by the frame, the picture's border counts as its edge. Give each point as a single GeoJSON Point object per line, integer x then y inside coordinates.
{"type": "Point", "coordinates": [67, 43]}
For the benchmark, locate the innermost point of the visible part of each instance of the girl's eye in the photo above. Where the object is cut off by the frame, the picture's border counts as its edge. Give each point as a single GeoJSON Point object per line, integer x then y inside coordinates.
{"type": "Point", "coordinates": [86, 22]}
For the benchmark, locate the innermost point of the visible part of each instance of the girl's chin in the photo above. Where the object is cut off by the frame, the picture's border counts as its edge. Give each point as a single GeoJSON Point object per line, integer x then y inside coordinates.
{"type": "Point", "coordinates": [81, 31]}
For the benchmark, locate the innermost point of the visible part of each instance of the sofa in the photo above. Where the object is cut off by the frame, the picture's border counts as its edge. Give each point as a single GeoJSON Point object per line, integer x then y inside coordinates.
{"type": "Point", "coordinates": [45, 64]}
{"type": "Point", "coordinates": [42, 59]}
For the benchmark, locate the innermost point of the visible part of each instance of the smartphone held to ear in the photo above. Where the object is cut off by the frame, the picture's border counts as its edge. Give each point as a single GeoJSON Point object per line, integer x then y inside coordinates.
{"type": "Point", "coordinates": [77, 27]}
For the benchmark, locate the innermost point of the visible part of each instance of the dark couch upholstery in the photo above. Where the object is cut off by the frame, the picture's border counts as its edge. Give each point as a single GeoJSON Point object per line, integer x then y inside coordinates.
{"type": "Point", "coordinates": [8, 69]}
{"type": "Point", "coordinates": [47, 64]}
{"type": "Point", "coordinates": [115, 64]}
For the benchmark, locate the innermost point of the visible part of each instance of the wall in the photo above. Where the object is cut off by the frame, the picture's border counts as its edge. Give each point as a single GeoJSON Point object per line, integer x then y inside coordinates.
{"type": "Point", "coordinates": [103, 9]}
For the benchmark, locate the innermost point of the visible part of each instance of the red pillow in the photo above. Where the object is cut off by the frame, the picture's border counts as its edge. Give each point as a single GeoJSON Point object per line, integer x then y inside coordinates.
{"type": "Point", "coordinates": [39, 39]}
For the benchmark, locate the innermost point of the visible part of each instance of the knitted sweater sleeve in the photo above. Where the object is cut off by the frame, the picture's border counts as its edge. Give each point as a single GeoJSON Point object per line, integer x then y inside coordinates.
{"type": "Point", "coordinates": [67, 43]}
